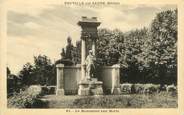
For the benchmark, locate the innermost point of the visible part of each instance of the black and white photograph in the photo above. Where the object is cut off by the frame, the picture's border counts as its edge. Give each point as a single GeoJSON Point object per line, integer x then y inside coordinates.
{"type": "Point", "coordinates": [91, 55]}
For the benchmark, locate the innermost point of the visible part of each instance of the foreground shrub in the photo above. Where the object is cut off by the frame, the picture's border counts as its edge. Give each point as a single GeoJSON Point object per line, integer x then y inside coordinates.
{"type": "Point", "coordinates": [126, 88]}
{"type": "Point", "coordinates": [35, 90]}
{"type": "Point", "coordinates": [26, 99]}
{"type": "Point", "coordinates": [47, 90]}
{"type": "Point", "coordinates": [138, 88]}
{"type": "Point", "coordinates": [171, 88]}
{"type": "Point", "coordinates": [151, 88]}
{"type": "Point", "coordinates": [146, 88]}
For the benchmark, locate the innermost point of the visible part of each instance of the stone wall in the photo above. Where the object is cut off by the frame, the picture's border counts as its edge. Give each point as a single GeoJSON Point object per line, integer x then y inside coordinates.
{"type": "Point", "coordinates": [72, 75]}
{"type": "Point", "coordinates": [109, 75]}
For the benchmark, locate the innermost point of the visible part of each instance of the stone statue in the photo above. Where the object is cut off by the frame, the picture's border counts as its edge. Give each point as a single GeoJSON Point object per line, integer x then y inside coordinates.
{"type": "Point", "coordinates": [90, 65]}
{"type": "Point", "coordinates": [63, 53]}
{"type": "Point", "coordinates": [69, 49]}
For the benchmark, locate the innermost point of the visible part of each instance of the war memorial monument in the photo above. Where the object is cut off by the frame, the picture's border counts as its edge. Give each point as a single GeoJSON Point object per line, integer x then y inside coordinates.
{"type": "Point", "coordinates": [81, 79]}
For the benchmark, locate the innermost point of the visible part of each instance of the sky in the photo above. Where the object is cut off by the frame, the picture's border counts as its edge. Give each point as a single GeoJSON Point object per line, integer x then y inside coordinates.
{"type": "Point", "coordinates": [42, 26]}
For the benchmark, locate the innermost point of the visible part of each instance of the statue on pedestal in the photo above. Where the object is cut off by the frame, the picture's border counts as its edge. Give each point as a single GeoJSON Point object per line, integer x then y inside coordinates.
{"type": "Point", "coordinates": [89, 85]}
{"type": "Point", "coordinates": [69, 49]}
{"type": "Point", "coordinates": [67, 56]}
{"type": "Point", "coordinates": [90, 65]}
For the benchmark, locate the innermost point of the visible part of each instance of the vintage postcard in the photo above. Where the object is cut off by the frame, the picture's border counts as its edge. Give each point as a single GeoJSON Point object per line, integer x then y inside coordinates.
{"type": "Point", "coordinates": [92, 57]}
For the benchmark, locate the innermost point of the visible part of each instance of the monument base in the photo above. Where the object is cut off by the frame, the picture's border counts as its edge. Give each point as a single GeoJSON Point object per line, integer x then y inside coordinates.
{"type": "Point", "coordinates": [115, 91]}
{"type": "Point", "coordinates": [112, 91]}
{"type": "Point", "coordinates": [90, 87]}
{"type": "Point", "coordinates": [60, 92]}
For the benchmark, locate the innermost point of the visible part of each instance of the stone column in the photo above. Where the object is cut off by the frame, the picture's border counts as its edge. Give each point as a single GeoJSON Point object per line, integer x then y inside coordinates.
{"type": "Point", "coordinates": [60, 79]}
{"type": "Point", "coordinates": [115, 79]}
{"type": "Point", "coordinates": [93, 47]}
{"type": "Point", "coordinates": [83, 58]}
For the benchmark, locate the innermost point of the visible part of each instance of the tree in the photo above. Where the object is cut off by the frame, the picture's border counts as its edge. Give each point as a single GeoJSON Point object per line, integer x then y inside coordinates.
{"type": "Point", "coordinates": [132, 59]}
{"type": "Point", "coordinates": [107, 48]}
{"type": "Point", "coordinates": [162, 53]}
{"type": "Point", "coordinates": [26, 74]}
{"type": "Point", "coordinates": [13, 83]}
{"type": "Point", "coordinates": [42, 72]}
{"type": "Point", "coordinates": [78, 52]}
{"type": "Point", "coordinates": [145, 55]}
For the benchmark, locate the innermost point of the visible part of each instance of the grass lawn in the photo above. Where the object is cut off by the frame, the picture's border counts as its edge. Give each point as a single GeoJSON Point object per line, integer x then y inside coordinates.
{"type": "Point", "coordinates": [159, 100]}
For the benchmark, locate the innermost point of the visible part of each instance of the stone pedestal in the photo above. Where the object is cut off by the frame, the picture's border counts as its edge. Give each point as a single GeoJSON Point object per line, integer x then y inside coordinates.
{"type": "Point", "coordinates": [115, 80]}
{"type": "Point", "coordinates": [60, 80]}
{"type": "Point", "coordinates": [90, 87]}
{"type": "Point", "coordinates": [60, 92]}
{"type": "Point", "coordinates": [116, 91]}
